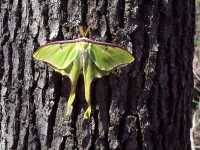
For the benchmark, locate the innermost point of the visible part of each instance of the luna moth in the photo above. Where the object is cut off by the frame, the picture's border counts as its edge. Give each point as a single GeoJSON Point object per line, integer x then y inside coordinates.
{"type": "Point", "coordinates": [93, 59]}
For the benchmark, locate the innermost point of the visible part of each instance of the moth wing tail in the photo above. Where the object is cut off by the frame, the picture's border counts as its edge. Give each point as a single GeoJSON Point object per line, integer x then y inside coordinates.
{"type": "Point", "coordinates": [73, 75]}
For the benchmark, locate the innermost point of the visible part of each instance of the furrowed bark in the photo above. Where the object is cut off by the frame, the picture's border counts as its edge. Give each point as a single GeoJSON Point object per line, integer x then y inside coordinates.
{"type": "Point", "coordinates": [144, 106]}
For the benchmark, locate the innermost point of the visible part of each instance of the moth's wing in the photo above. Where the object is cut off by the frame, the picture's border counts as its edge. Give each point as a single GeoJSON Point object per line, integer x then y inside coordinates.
{"type": "Point", "coordinates": [107, 57]}
{"type": "Point", "coordinates": [101, 59]}
{"type": "Point", "coordinates": [90, 71]}
{"type": "Point", "coordinates": [73, 72]}
{"type": "Point", "coordinates": [63, 58]}
{"type": "Point", "coordinates": [58, 55]}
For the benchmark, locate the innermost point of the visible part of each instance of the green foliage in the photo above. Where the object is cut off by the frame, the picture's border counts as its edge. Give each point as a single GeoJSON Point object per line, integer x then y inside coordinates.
{"type": "Point", "coordinates": [197, 42]}
{"type": "Point", "coordinates": [197, 35]}
{"type": "Point", "coordinates": [197, 2]}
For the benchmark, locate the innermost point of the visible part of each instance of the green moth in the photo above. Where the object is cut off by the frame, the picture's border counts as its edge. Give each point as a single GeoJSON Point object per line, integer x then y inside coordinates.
{"type": "Point", "coordinates": [93, 59]}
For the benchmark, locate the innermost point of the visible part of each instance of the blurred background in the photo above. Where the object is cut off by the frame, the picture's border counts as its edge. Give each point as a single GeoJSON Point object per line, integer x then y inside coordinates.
{"type": "Point", "coordinates": [195, 131]}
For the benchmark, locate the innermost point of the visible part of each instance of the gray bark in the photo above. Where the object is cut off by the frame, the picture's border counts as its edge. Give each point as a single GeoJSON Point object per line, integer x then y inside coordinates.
{"type": "Point", "coordinates": [145, 106]}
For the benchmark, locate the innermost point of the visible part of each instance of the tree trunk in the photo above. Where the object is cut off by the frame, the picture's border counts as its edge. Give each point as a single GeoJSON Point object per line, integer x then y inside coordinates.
{"type": "Point", "coordinates": [144, 106]}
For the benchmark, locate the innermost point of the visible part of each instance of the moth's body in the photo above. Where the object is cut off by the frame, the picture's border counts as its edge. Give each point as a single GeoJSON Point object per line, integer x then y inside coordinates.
{"type": "Point", "coordinates": [83, 47]}
{"type": "Point", "coordinates": [92, 58]}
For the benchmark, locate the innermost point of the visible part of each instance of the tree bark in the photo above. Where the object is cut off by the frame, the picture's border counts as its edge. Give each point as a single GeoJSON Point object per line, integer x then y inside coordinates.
{"type": "Point", "coordinates": [144, 106]}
